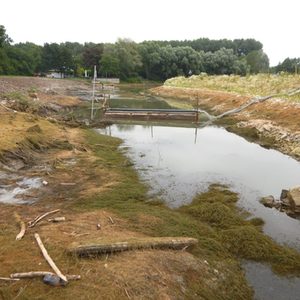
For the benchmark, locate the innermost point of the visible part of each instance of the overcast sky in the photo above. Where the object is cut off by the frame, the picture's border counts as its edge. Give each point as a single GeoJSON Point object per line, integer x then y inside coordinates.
{"type": "Point", "coordinates": [274, 23]}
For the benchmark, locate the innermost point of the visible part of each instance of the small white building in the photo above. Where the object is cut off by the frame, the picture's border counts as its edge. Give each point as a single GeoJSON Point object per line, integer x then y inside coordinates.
{"type": "Point", "coordinates": [55, 74]}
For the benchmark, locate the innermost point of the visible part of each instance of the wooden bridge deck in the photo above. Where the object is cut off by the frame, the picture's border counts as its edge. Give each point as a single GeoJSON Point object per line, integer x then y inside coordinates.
{"type": "Point", "coordinates": [135, 113]}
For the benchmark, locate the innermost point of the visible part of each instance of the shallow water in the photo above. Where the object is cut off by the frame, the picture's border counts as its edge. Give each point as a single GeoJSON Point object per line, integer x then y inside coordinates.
{"type": "Point", "coordinates": [272, 286]}
{"type": "Point", "coordinates": [179, 162]}
{"type": "Point", "coordinates": [13, 193]}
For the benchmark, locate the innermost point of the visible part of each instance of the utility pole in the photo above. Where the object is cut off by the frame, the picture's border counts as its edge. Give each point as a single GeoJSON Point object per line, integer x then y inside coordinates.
{"type": "Point", "coordinates": [93, 95]}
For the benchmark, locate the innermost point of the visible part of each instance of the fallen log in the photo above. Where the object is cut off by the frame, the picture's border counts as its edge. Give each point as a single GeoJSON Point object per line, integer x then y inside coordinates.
{"type": "Point", "coordinates": [34, 274]}
{"type": "Point", "coordinates": [41, 217]}
{"type": "Point", "coordinates": [22, 227]}
{"type": "Point", "coordinates": [176, 243]}
{"type": "Point", "coordinates": [49, 259]}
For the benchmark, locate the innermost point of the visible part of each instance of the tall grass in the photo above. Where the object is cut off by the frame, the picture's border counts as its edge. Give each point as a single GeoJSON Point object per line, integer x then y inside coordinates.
{"type": "Point", "coordinates": [253, 85]}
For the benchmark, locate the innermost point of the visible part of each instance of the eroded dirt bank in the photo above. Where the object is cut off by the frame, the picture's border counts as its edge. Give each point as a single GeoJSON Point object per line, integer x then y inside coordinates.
{"type": "Point", "coordinates": [273, 123]}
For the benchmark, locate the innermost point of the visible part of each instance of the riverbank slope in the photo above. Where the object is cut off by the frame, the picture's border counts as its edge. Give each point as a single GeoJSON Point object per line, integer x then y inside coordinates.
{"type": "Point", "coordinates": [273, 123]}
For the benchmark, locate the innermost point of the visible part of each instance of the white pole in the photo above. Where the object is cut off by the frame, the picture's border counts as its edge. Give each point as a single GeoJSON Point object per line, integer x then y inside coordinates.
{"type": "Point", "coordinates": [93, 96]}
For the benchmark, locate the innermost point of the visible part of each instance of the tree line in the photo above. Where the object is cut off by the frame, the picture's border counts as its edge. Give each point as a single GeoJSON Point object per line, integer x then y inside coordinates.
{"type": "Point", "coordinates": [153, 60]}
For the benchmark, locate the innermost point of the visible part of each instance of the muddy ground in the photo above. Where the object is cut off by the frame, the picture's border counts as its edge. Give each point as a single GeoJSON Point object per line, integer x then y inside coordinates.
{"type": "Point", "coordinates": [274, 123]}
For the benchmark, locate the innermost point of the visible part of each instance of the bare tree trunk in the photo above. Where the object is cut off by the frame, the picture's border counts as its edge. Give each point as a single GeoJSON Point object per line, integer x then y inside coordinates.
{"type": "Point", "coordinates": [176, 243]}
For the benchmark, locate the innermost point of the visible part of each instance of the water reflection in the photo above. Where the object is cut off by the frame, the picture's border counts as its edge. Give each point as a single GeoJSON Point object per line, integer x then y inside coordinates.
{"type": "Point", "coordinates": [184, 161]}
{"type": "Point", "coordinates": [272, 286]}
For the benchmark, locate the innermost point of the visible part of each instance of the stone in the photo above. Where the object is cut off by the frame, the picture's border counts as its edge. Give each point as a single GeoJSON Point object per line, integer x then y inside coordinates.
{"type": "Point", "coordinates": [283, 194]}
{"type": "Point", "coordinates": [294, 198]}
{"type": "Point", "coordinates": [268, 201]}
{"type": "Point", "coordinates": [53, 280]}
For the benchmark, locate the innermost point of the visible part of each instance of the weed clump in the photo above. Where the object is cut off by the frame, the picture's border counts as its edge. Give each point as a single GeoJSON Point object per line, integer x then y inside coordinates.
{"type": "Point", "coordinates": [240, 237]}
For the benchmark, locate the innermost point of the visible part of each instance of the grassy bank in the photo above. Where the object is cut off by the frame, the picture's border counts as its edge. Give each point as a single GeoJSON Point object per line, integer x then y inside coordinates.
{"type": "Point", "coordinates": [253, 85]}
{"type": "Point", "coordinates": [103, 182]}
{"type": "Point", "coordinates": [112, 187]}
{"type": "Point", "coordinates": [224, 235]}
{"type": "Point", "coordinates": [212, 216]}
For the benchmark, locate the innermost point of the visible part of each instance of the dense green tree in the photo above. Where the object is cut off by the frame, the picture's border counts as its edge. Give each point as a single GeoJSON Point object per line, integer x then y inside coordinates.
{"type": "Point", "coordinates": [290, 65]}
{"type": "Point", "coordinates": [57, 57]}
{"type": "Point", "coordinates": [32, 55]}
{"type": "Point", "coordinates": [258, 61]}
{"type": "Point", "coordinates": [110, 63]}
{"type": "Point", "coordinates": [245, 46]}
{"type": "Point", "coordinates": [189, 61]}
{"type": "Point", "coordinates": [4, 38]}
{"type": "Point", "coordinates": [155, 60]}
{"type": "Point", "coordinates": [91, 55]}
{"type": "Point", "coordinates": [129, 58]}
{"type": "Point", "coordinates": [150, 59]}
{"type": "Point", "coordinates": [5, 64]}
{"type": "Point", "coordinates": [224, 61]}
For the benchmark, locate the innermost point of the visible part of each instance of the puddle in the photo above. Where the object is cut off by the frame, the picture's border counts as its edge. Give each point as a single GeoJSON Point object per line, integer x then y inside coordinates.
{"type": "Point", "coordinates": [14, 193]}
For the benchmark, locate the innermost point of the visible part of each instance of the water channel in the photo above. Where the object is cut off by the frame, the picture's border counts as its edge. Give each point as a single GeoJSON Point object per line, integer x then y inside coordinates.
{"type": "Point", "coordinates": [179, 161]}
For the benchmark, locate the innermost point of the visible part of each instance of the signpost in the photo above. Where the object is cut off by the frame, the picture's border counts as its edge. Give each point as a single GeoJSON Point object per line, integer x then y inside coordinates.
{"type": "Point", "coordinates": [93, 95]}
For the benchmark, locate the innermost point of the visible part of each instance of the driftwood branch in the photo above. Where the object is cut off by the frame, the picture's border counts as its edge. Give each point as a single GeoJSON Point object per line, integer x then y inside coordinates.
{"type": "Point", "coordinates": [41, 217]}
{"type": "Point", "coordinates": [34, 274]}
{"type": "Point", "coordinates": [9, 279]}
{"type": "Point", "coordinates": [22, 227]}
{"type": "Point", "coordinates": [176, 243]}
{"type": "Point", "coordinates": [49, 259]}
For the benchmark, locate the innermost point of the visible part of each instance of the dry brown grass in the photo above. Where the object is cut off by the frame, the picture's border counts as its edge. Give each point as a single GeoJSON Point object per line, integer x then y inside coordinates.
{"type": "Point", "coordinates": [151, 274]}
{"type": "Point", "coordinates": [14, 126]}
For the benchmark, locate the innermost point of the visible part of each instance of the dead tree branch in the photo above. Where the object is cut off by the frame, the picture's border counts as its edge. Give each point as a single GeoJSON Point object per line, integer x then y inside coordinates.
{"type": "Point", "coordinates": [34, 274]}
{"type": "Point", "coordinates": [41, 217]}
{"type": "Point", "coordinates": [22, 227]}
{"type": "Point", "coordinates": [49, 259]}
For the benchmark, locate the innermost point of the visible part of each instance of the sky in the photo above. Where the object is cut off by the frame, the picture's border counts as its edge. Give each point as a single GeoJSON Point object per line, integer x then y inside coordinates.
{"type": "Point", "coordinates": [274, 23]}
